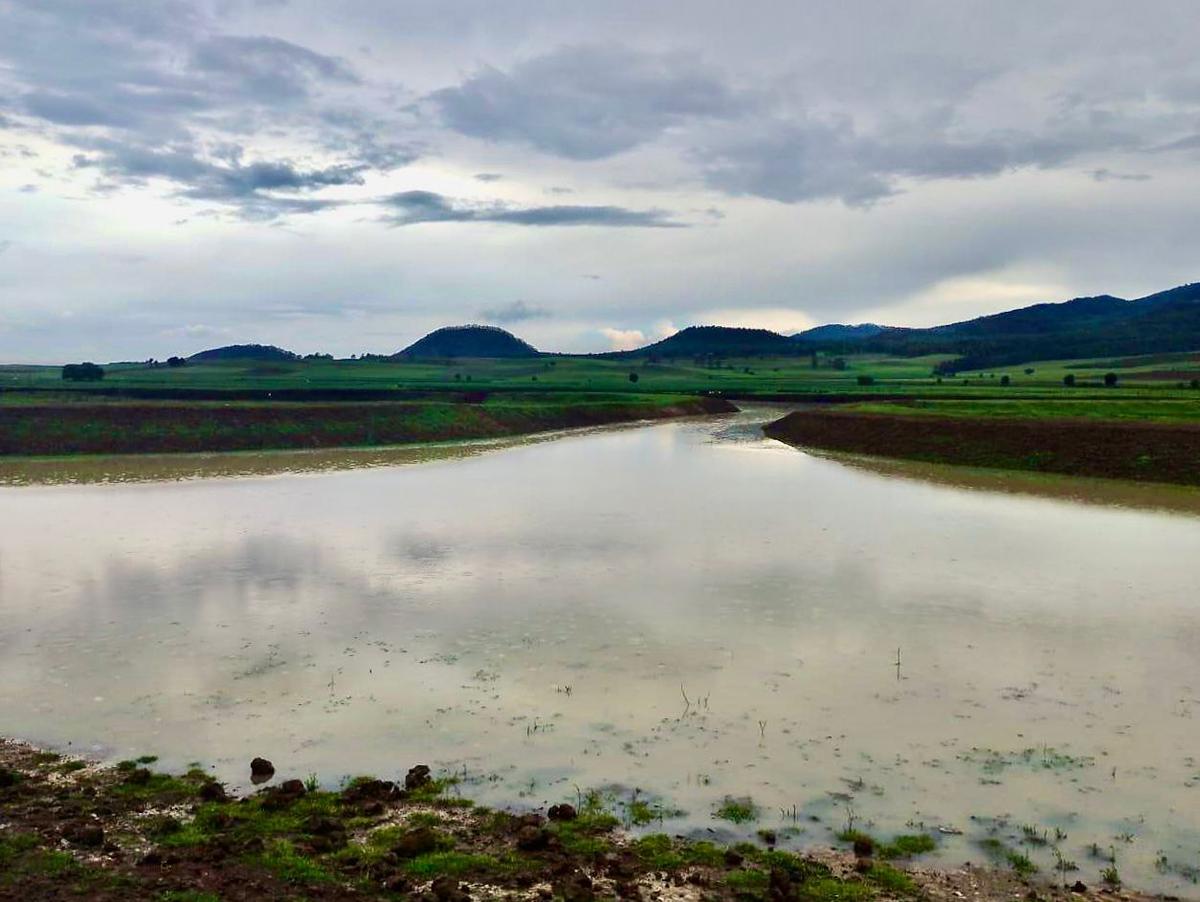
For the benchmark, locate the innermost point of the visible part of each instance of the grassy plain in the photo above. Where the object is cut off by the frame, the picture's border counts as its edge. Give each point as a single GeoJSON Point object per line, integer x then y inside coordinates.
{"type": "Point", "coordinates": [1159, 375]}
{"type": "Point", "coordinates": [249, 404]}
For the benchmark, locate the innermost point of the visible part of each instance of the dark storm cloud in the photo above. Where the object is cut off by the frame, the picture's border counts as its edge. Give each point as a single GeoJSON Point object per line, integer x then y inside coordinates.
{"type": "Point", "coordinates": [253, 187]}
{"type": "Point", "coordinates": [803, 160]}
{"type": "Point", "coordinates": [412, 207]}
{"type": "Point", "coordinates": [586, 103]}
{"type": "Point", "coordinates": [516, 312]}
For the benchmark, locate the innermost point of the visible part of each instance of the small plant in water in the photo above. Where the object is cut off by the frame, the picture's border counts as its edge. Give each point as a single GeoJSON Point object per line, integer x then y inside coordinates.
{"type": "Point", "coordinates": [311, 783]}
{"type": "Point", "coordinates": [737, 811]}
{"type": "Point", "coordinates": [1111, 876]}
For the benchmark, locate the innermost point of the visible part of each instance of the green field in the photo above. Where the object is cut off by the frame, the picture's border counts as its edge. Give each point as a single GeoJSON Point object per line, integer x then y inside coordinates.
{"type": "Point", "coordinates": [1144, 409]}
{"type": "Point", "coordinates": [743, 377]}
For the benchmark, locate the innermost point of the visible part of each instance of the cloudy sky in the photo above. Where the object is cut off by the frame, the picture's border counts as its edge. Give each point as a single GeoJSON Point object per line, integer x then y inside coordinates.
{"type": "Point", "coordinates": [179, 174]}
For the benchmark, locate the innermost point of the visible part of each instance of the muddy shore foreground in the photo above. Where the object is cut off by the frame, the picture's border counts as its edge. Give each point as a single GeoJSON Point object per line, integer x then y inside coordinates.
{"type": "Point", "coordinates": [71, 829]}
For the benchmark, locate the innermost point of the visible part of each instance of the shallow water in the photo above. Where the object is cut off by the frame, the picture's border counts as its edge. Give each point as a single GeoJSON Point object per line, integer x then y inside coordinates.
{"type": "Point", "coordinates": [533, 615]}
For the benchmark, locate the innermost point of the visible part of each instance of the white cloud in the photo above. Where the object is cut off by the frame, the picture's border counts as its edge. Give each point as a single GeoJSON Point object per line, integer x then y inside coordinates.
{"type": "Point", "coordinates": [623, 339]}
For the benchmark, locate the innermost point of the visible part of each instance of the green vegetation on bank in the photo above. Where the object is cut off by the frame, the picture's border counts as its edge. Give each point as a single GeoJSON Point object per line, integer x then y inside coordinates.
{"type": "Point", "coordinates": [118, 426]}
{"type": "Point", "coordinates": [183, 838]}
{"type": "Point", "coordinates": [1166, 410]}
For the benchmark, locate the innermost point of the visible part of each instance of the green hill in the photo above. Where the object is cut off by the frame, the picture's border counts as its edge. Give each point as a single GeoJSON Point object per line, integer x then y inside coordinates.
{"type": "Point", "coordinates": [1083, 327]}
{"type": "Point", "coordinates": [243, 352]}
{"type": "Point", "coordinates": [718, 341]}
{"type": "Point", "coordinates": [468, 341]}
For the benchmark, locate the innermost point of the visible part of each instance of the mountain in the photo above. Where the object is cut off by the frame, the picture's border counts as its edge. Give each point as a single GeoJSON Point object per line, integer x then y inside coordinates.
{"type": "Point", "coordinates": [244, 352]}
{"type": "Point", "coordinates": [1083, 327]}
{"type": "Point", "coordinates": [723, 341]}
{"type": "Point", "coordinates": [468, 341]}
{"type": "Point", "coordinates": [840, 332]}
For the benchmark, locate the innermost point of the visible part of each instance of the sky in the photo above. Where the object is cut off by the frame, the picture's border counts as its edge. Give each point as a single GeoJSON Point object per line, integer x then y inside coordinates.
{"type": "Point", "coordinates": [342, 178]}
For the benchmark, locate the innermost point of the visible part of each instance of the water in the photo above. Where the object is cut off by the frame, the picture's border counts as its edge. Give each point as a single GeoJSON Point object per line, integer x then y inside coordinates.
{"type": "Point", "coordinates": [683, 609]}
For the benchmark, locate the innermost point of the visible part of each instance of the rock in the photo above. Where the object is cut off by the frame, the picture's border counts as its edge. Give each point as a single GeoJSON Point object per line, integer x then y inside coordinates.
{"type": "Point", "coordinates": [863, 865]}
{"type": "Point", "coordinates": [575, 888]}
{"type": "Point", "coordinates": [563, 812]}
{"type": "Point", "coordinates": [292, 787]}
{"type": "Point", "coordinates": [418, 777]}
{"type": "Point", "coordinates": [261, 770]}
{"type": "Point", "coordinates": [448, 889]}
{"type": "Point", "coordinates": [371, 809]}
{"type": "Point", "coordinates": [397, 883]}
{"type": "Point", "coordinates": [90, 836]}
{"type": "Point", "coordinates": [733, 859]}
{"type": "Point", "coordinates": [372, 790]}
{"type": "Point", "coordinates": [416, 842]}
{"type": "Point", "coordinates": [1079, 887]}
{"type": "Point", "coordinates": [323, 826]}
{"type": "Point", "coordinates": [780, 887]}
{"type": "Point", "coordinates": [212, 791]}
{"type": "Point", "coordinates": [529, 819]}
{"type": "Point", "coordinates": [532, 839]}
{"type": "Point", "coordinates": [864, 847]}
{"type": "Point", "coordinates": [151, 858]}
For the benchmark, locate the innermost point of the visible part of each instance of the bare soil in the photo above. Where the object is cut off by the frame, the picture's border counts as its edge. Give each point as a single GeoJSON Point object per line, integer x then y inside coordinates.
{"type": "Point", "coordinates": [1120, 449]}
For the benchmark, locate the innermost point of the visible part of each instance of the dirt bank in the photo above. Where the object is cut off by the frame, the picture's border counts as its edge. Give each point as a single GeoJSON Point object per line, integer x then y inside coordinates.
{"type": "Point", "coordinates": [1141, 451]}
{"type": "Point", "coordinates": [70, 829]}
{"type": "Point", "coordinates": [157, 428]}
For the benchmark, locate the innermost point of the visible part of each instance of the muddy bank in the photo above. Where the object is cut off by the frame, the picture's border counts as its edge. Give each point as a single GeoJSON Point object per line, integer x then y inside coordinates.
{"type": "Point", "coordinates": [72, 829]}
{"type": "Point", "coordinates": [165, 428]}
{"type": "Point", "coordinates": [1140, 451]}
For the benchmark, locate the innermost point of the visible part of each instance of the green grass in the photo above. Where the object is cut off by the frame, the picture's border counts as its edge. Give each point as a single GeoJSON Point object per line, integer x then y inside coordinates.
{"type": "Point", "coordinates": [281, 858]}
{"type": "Point", "coordinates": [737, 811]}
{"type": "Point", "coordinates": [187, 895]}
{"type": "Point", "coordinates": [891, 879]}
{"type": "Point", "coordinates": [435, 864]}
{"type": "Point", "coordinates": [662, 853]}
{"type": "Point", "coordinates": [1168, 410]}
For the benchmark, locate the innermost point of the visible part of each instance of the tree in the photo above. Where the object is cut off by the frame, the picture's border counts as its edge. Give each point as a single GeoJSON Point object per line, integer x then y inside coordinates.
{"type": "Point", "coordinates": [176, 362]}
{"type": "Point", "coordinates": [1069, 380]}
{"type": "Point", "coordinates": [82, 372]}
{"type": "Point", "coordinates": [633, 377]}
{"type": "Point", "coordinates": [866, 380]}
{"type": "Point", "coordinates": [839, 363]}
{"type": "Point", "coordinates": [1004, 380]}
{"type": "Point", "coordinates": [1110, 379]}
{"type": "Point", "coordinates": [1028, 371]}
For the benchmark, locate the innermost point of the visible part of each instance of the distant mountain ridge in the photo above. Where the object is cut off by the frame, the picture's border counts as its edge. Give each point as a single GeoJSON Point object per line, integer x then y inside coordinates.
{"type": "Point", "coordinates": [468, 341]}
{"type": "Point", "coordinates": [840, 332]}
{"type": "Point", "coordinates": [1101, 326]}
{"type": "Point", "coordinates": [1168, 321]}
{"type": "Point", "coordinates": [1082, 327]}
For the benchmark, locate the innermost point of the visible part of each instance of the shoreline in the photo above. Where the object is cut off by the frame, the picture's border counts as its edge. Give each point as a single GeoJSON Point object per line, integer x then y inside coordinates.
{"type": "Point", "coordinates": [70, 827]}
{"type": "Point", "coordinates": [107, 429]}
{"type": "Point", "coordinates": [1137, 451]}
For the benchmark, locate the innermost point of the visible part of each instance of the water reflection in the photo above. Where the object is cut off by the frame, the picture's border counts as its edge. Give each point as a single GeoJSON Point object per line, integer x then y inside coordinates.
{"type": "Point", "coordinates": [537, 617]}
